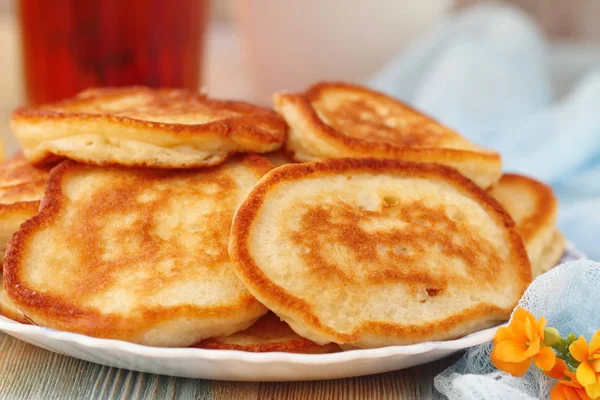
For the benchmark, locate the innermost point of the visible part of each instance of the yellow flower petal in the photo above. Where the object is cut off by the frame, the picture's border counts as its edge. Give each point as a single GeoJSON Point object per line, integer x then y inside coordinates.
{"type": "Point", "coordinates": [577, 394]}
{"type": "Point", "coordinates": [558, 371]}
{"type": "Point", "coordinates": [595, 364]}
{"type": "Point", "coordinates": [521, 314]}
{"type": "Point", "coordinates": [563, 392]}
{"type": "Point", "coordinates": [573, 378]}
{"type": "Point", "coordinates": [519, 333]}
{"type": "Point", "coordinates": [573, 384]}
{"type": "Point", "coordinates": [515, 369]}
{"type": "Point", "coordinates": [595, 343]}
{"type": "Point", "coordinates": [508, 351]}
{"type": "Point", "coordinates": [541, 325]}
{"type": "Point", "coordinates": [572, 393]}
{"type": "Point", "coordinates": [579, 349]}
{"type": "Point", "coordinates": [557, 393]}
{"type": "Point", "coordinates": [533, 348]}
{"type": "Point", "coordinates": [502, 334]}
{"type": "Point", "coordinates": [585, 374]}
{"type": "Point", "coordinates": [593, 390]}
{"type": "Point", "coordinates": [581, 395]}
{"type": "Point", "coordinates": [517, 324]}
{"type": "Point", "coordinates": [529, 329]}
{"type": "Point", "coordinates": [545, 359]}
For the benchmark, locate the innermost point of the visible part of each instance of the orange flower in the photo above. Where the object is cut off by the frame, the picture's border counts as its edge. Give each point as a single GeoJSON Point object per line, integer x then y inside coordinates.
{"type": "Point", "coordinates": [588, 372]}
{"type": "Point", "coordinates": [559, 369]}
{"type": "Point", "coordinates": [567, 388]}
{"type": "Point", "coordinates": [521, 341]}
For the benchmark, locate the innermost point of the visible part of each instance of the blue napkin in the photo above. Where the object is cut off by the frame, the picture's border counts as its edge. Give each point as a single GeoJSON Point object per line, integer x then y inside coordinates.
{"type": "Point", "coordinates": [484, 73]}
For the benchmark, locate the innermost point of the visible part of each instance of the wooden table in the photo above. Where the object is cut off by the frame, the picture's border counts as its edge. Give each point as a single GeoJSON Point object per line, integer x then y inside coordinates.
{"type": "Point", "coordinates": [30, 373]}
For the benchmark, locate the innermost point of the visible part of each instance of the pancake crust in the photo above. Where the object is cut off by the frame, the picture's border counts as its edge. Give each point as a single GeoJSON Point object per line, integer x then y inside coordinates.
{"type": "Point", "coordinates": [8, 308]}
{"type": "Point", "coordinates": [21, 188]}
{"type": "Point", "coordinates": [552, 253]}
{"type": "Point", "coordinates": [279, 158]}
{"type": "Point", "coordinates": [139, 126]}
{"type": "Point", "coordinates": [135, 254]}
{"type": "Point", "coordinates": [371, 253]}
{"type": "Point", "coordinates": [268, 334]}
{"type": "Point", "coordinates": [333, 120]}
{"type": "Point", "coordinates": [534, 209]}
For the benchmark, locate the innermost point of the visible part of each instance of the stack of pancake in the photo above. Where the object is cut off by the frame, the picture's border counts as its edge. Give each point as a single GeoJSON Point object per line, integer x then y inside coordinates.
{"type": "Point", "coordinates": [151, 216]}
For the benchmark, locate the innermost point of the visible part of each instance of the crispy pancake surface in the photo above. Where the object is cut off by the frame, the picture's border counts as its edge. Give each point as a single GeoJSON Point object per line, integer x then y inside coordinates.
{"type": "Point", "coordinates": [534, 209]}
{"type": "Point", "coordinates": [333, 120]}
{"type": "Point", "coordinates": [21, 188]}
{"type": "Point", "coordinates": [551, 254]}
{"type": "Point", "coordinates": [279, 158]}
{"type": "Point", "coordinates": [8, 309]}
{"type": "Point", "coordinates": [135, 254]}
{"type": "Point", "coordinates": [371, 253]}
{"type": "Point", "coordinates": [139, 126]}
{"type": "Point", "coordinates": [268, 334]}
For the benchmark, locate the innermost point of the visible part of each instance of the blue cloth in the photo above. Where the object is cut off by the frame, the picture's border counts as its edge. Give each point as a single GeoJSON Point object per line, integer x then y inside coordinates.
{"type": "Point", "coordinates": [484, 73]}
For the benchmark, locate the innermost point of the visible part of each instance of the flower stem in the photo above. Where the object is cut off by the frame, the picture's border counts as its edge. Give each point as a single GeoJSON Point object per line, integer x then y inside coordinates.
{"type": "Point", "coordinates": [561, 346]}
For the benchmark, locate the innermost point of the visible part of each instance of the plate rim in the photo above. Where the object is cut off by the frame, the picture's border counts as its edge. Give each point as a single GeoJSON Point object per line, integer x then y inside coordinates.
{"type": "Point", "coordinates": [473, 339]}
{"type": "Point", "coordinates": [9, 326]}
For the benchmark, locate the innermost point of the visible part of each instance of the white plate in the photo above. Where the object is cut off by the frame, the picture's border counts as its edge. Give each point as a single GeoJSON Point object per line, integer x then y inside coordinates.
{"type": "Point", "coordinates": [242, 366]}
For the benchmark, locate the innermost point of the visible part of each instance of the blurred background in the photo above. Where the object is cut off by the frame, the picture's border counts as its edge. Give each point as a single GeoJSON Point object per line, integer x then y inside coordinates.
{"type": "Point", "coordinates": [255, 47]}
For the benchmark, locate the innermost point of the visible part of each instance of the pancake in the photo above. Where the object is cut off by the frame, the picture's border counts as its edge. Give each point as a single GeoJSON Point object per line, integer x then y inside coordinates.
{"type": "Point", "coordinates": [278, 158]}
{"type": "Point", "coordinates": [139, 126]}
{"type": "Point", "coordinates": [333, 120]}
{"type": "Point", "coordinates": [135, 254]}
{"type": "Point", "coordinates": [21, 188]}
{"type": "Point", "coordinates": [371, 253]}
{"type": "Point", "coordinates": [268, 334]}
{"type": "Point", "coordinates": [8, 308]}
{"type": "Point", "coordinates": [534, 209]}
{"type": "Point", "coordinates": [551, 254]}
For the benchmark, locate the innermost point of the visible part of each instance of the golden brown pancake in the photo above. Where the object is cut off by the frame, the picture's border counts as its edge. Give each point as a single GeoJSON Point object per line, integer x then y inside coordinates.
{"type": "Point", "coordinates": [372, 253]}
{"type": "Point", "coordinates": [268, 334]}
{"type": "Point", "coordinates": [8, 308]}
{"type": "Point", "coordinates": [139, 126]}
{"type": "Point", "coordinates": [135, 254]}
{"type": "Point", "coordinates": [21, 188]}
{"type": "Point", "coordinates": [534, 209]}
{"type": "Point", "coordinates": [333, 120]}
{"type": "Point", "coordinates": [279, 158]}
{"type": "Point", "coordinates": [552, 253]}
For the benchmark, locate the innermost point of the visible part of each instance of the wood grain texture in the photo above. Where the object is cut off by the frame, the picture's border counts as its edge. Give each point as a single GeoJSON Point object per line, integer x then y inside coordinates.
{"type": "Point", "coordinates": [413, 383]}
{"type": "Point", "coordinates": [31, 373]}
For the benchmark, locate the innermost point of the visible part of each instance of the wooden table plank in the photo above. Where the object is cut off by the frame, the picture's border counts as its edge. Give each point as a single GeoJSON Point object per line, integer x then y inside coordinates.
{"type": "Point", "coordinates": [28, 372]}
{"type": "Point", "coordinates": [412, 383]}
{"type": "Point", "coordinates": [235, 390]}
{"type": "Point", "coordinates": [31, 373]}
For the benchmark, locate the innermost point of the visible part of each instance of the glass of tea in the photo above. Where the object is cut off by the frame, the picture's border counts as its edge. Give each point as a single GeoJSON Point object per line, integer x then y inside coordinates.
{"type": "Point", "coordinates": [70, 45]}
